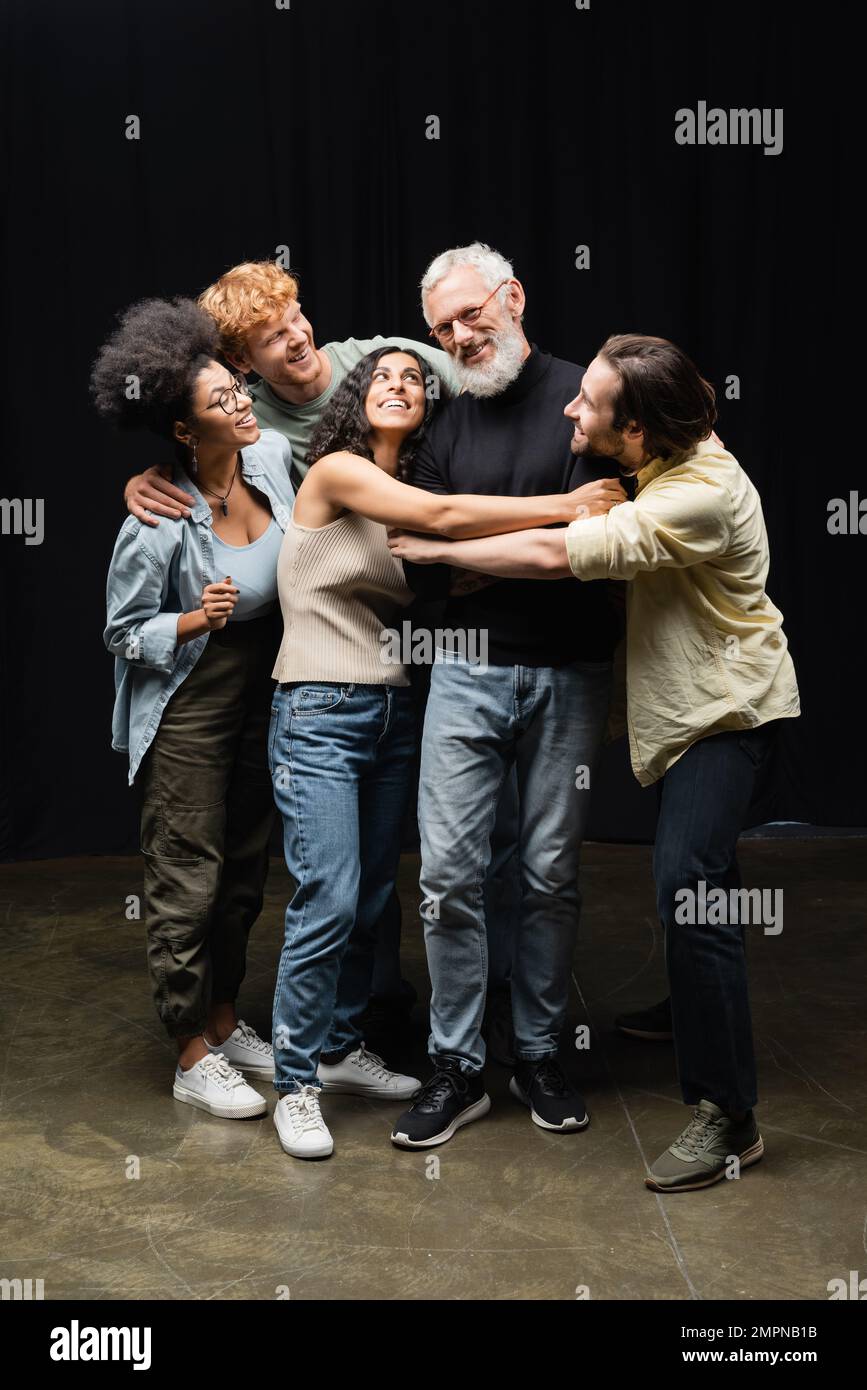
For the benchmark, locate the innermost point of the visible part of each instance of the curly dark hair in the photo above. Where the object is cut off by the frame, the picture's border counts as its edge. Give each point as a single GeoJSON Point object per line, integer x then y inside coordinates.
{"type": "Point", "coordinates": [344, 426]}
{"type": "Point", "coordinates": [162, 345]}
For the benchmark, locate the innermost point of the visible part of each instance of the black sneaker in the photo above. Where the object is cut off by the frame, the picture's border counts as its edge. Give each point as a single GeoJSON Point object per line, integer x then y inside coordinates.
{"type": "Point", "coordinates": [652, 1025]}
{"type": "Point", "coordinates": [444, 1103]}
{"type": "Point", "coordinates": [554, 1103]}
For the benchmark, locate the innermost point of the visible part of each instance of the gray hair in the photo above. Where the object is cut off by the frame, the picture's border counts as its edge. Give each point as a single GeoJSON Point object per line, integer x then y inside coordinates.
{"type": "Point", "coordinates": [492, 267]}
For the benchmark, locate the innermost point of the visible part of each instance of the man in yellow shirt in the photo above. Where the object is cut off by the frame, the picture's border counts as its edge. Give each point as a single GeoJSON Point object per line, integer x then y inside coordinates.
{"type": "Point", "coordinates": [708, 676]}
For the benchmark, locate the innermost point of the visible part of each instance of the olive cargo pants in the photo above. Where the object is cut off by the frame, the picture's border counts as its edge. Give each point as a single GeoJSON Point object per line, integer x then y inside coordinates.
{"type": "Point", "coordinates": [207, 813]}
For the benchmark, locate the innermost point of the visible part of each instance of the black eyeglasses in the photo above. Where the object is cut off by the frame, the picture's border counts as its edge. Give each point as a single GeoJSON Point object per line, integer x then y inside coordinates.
{"type": "Point", "coordinates": [228, 400]}
{"type": "Point", "coordinates": [446, 331]}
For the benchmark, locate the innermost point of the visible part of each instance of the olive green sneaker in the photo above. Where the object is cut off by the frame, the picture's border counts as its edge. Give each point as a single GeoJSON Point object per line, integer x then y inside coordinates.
{"type": "Point", "coordinates": [699, 1157]}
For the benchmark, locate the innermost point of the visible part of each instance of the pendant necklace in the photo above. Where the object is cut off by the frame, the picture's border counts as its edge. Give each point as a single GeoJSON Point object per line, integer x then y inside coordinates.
{"type": "Point", "coordinates": [224, 501]}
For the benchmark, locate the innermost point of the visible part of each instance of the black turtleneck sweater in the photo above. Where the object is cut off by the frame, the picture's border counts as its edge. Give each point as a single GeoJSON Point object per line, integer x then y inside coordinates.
{"type": "Point", "coordinates": [517, 445]}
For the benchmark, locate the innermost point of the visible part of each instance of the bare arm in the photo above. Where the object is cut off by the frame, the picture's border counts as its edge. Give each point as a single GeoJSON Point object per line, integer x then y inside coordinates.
{"type": "Point", "coordinates": [346, 482]}
{"type": "Point", "coordinates": [537, 554]}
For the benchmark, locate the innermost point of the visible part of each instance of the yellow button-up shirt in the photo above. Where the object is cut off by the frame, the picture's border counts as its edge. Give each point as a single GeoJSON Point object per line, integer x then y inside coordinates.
{"type": "Point", "coordinates": [705, 647]}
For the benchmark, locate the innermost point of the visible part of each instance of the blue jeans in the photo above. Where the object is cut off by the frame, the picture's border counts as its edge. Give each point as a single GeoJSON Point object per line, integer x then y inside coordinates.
{"type": "Point", "coordinates": [704, 802]}
{"type": "Point", "coordinates": [503, 889]}
{"type": "Point", "coordinates": [502, 914]}
{"type": "Point", "coordinates": [341, 758]}
{"type": "Point", "coordinates": [547, 723]}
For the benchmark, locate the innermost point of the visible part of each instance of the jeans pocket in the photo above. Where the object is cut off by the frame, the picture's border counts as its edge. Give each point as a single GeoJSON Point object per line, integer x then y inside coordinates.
{"type": "Point", "coordinates": [316, 699]}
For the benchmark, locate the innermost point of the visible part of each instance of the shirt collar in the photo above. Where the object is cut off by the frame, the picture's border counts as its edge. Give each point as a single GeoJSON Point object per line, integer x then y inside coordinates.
{"type": "Point", "coordinates": [652, 470]}
{"type": "Point", "coordinates": [251, 467]}
{"type": "Point", "coordinates": [658, 466]}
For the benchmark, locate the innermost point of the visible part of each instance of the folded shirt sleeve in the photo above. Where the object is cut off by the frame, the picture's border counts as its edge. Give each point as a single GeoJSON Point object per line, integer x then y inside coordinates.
{"type": "Point", "coordinates": [675, 523]}
{"type": "Point", "coordinates": [137, 629]}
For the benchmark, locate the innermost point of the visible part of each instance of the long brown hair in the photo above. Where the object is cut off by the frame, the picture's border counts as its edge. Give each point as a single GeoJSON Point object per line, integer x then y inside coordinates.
{"type": "Point", "coordinates": [661, 391]}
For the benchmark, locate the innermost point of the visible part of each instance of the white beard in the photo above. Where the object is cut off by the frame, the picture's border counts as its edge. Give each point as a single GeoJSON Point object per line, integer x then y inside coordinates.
{"type": "Point", "coordinates": [491, 378]}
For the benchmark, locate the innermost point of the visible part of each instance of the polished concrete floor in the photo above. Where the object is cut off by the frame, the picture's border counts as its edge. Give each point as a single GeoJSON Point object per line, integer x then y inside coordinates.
{"type": "Point", "coordinates": [505, 1211]}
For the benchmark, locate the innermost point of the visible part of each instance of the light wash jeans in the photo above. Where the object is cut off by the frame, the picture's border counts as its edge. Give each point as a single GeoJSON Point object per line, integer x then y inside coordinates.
{"type": "Point", "coordinates": [341, 759]}
{"type": "Point", "coordinates": [547, 722]}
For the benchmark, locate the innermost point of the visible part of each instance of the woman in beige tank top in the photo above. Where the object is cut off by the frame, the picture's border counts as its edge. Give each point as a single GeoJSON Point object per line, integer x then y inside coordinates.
{"type": "Point", "coordinates": [342, 738]}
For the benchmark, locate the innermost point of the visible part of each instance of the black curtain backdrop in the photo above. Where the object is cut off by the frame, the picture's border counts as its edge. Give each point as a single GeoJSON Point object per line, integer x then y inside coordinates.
{"type": "Point", "coordinates": [306, 127]}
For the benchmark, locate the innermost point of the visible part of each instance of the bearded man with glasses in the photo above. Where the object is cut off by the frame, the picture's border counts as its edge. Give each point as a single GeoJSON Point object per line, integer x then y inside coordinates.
{"type": "Point", "coordinates": [538, 708]}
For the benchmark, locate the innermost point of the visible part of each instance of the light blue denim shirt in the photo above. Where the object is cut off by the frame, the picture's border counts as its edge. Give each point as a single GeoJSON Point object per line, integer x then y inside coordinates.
{"type": "Point", "coordinates": [158, 573]}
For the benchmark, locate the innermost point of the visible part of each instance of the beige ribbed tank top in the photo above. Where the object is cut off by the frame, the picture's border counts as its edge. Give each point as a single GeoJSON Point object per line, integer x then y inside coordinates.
{"type": "Point", "coordinates": [340, 590]}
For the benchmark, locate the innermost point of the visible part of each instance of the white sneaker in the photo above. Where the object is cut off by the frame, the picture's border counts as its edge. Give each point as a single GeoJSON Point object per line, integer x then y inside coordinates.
{"type": "Point", "coordinates": [214, 1086]}
{"type": "Point", "coordinates": [302, 1131]}
{"type": "Point", "coordinates": [362, 1073]}
{"type": "Point", "coordinates": [246, 1051]}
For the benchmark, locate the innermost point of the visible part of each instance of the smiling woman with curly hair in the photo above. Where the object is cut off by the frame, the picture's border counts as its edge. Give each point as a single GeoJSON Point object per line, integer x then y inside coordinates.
{"type": "Point", "coordinates": [342, 739]}
{"type": "Point", "coordinates": [346, 428]}
{"type": "Point", "coordinates": [193, 622]}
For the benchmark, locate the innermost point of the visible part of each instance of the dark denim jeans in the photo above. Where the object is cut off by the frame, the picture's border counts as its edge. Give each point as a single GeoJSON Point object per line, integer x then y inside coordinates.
{"type": "Point", "coordinates": [341, 759]}
{"type": "Point", "coordinates": [704, 802]}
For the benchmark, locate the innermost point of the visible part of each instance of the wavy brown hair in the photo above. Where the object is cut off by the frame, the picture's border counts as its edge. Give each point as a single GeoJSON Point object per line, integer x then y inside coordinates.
{"type": "Point", "coordinates": [661, 391]}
